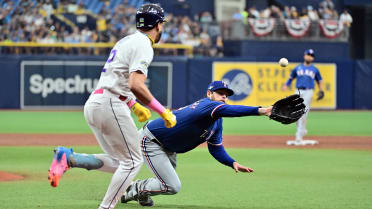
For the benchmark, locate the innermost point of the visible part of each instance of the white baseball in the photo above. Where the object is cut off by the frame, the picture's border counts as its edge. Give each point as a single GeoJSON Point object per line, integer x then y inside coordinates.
{"type": "Point", "coordinates": [283, 62]}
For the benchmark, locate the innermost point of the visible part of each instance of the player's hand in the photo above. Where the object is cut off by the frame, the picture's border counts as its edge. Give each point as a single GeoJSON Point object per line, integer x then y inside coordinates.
{"type": "Point", "coordinates": [142, 112]}
{"type": "Point", "coordinates": [265, 110]}
{"type": "Point", "coordinates": [169, 118]}
{"type": "Point", "coordinates": [284, 87]}
{"type": "Point", "coordinates": [241, 168]}
{"type": "Point", "coordinates": [320, 95]}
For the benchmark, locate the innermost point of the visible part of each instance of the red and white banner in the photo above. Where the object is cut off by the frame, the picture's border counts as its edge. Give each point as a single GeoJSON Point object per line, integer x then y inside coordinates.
{"type": "Point", "coordinates": [297, 27]}
{"type": "Point", "coordinates": [261, 27]}
{"type": "Point", "coordinates": [331, 28]}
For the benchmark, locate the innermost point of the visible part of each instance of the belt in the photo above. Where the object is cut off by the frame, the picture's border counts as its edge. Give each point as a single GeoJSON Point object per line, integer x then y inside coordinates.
{"type": "Point", "coordinates": [303, 88]}
{"type": "Point", "coordinates": [151, 136]}
{"type": "Point", "coordinates": [100, 91]}
{"type": "Point", "coordinates": [157, 142]}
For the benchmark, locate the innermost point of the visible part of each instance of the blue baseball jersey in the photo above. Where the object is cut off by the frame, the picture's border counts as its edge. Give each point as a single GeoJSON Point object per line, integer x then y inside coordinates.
{"type": "Point", "coordinates": [305, 76]}
{"type": "Point", "coordinates": [198, 123]}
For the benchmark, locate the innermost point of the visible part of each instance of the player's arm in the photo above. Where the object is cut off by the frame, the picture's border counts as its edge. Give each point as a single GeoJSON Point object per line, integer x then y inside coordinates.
{"type": "Point", "coordinates": [142, 112]}
{"type": "Point", "coordinates": [143, 94]}
{"type": "Point", "coordinates": [220, 154]}
{"type": "Point", "coordinates": [141, 59]}
{"type": "Point", "coordinates": [226, 110]}
{"type": "Point", "coordinates": [319, 80]}
{"type": "Point", "coordinates": [217, 150]}
{"type": "Point", "coordinates": [292, 76]}
{"type": "Point", "coordinates": [320, 85]}
{"type": "Point", "coordinates": [138, 87]}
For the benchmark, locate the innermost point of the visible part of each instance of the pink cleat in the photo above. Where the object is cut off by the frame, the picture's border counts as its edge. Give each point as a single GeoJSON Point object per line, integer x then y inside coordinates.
{"type": "Point", "coordinates": [59, 165]}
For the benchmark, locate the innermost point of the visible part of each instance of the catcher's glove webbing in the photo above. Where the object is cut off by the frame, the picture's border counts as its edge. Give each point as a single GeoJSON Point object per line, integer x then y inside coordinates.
{"type": "Point", "coordinates": [288, 110]}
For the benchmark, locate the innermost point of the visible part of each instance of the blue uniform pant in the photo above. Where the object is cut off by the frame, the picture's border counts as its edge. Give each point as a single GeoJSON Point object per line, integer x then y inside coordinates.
{"type": "Point", "coordinates": [162, 164]}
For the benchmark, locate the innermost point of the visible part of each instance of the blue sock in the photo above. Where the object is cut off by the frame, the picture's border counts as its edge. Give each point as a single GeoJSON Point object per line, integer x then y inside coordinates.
{"type": "Point", "coordinates": [87, 161]}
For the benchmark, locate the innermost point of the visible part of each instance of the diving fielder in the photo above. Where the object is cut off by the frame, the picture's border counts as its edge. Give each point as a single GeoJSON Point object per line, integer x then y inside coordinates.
{"type": "Point", "coordinates": [196, 123]}
{"type": "Point", "coordinates": [305, 75]}
{"type": "Point", "coordinates": [107, 110]}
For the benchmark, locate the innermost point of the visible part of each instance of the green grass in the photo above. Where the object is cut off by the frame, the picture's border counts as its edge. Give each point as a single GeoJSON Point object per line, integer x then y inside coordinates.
{"type": "Point", "coordinates": [283, 178]}
{"type": "Point", "coordinates": [323, 123]}
{"type": "Point", "coordinates": [328, 123]}
{"type": "Point", "coordinates": [45, 122]}
{"type": "Point", "coordinates": [286, 178]}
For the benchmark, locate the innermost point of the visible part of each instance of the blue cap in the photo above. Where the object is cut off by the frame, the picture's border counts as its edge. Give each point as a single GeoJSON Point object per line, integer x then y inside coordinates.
{"type": "Point", "coordinates": [310, 52]}
{"type": "Point", "coordinates": [215, 85]}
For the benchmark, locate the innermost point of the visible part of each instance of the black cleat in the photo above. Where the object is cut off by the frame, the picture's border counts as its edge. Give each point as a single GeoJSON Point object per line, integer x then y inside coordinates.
{"type": "Point", "coordinates": [144, 200]}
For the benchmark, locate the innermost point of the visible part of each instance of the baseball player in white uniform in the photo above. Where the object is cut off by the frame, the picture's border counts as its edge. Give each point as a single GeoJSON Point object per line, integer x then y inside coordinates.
{"type": "Point", "coordinates": [107, 111]}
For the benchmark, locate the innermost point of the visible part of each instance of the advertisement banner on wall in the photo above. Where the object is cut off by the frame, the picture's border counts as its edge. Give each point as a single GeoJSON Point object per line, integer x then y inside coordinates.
{"type": "Point", "coordinates": [68, 84]}
{"type": "Point", "coordinates": [260, 83]}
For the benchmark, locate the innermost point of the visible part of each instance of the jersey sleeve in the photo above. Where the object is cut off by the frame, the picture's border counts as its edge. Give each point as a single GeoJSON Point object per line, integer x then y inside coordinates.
{"type": "Point", "coordinates": [226, 110]}
{"type": "Point", "coordinates": [216, 138]}
{"type": "Point", "coordinates": [215, 109]}
{"type": "Point", "coordinates": [210, 107]}
{"type": "Point", "coordinates": [219, 153]}
{"type": "Point", "coordinates": [318, 77]}
{"type": "Point", "coordinates": [141, 58]}
{"type": "Point", "coordinates": [216, 148]}
{"type": "Point", "coordinates": [292, 76]}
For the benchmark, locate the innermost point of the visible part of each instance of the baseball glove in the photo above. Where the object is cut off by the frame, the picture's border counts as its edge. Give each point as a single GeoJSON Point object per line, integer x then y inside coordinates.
{"type": "Point", "coordinates": [288, 110]}
{"type": "Point", "coordinates": [320, 95]}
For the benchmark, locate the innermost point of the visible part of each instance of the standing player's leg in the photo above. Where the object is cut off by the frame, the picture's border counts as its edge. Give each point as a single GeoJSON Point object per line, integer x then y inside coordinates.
{"type": "Point", "coordinates": [307, 95]}
{"type": "Point", "coordinates": [119, 140]}
{"type": "Point", "coordinates": [166, 180]}
{"type": "Point", "coordinates": [65, 158]}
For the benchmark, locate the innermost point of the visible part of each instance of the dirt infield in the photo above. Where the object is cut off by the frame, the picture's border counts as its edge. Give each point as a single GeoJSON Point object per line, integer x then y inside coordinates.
{"type": "Point", "coordinates": [325, 142]}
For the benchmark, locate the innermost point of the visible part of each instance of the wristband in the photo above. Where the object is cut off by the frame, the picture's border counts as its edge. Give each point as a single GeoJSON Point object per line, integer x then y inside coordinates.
{"type": "Point", "coordinates": [156, 106]}
{"type": "Point", "coordinates": [131, 103]}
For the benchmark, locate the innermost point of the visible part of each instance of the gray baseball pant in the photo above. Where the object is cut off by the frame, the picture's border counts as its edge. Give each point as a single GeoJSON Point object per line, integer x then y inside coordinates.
{"type": "Point", "coordinates": [162, 163]}
{"type": "Point", "coordinates": [307, 95]}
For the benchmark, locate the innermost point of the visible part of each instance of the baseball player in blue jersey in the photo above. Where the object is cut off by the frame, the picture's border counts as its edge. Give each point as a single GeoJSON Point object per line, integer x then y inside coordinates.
{"type": "Point", "coordinates": [196, 123]}
{"type": "Point", "coordinates": [305, 75]}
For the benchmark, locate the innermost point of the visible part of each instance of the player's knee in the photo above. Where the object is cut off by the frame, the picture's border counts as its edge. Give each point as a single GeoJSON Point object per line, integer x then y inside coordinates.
{"type": "Point", "coordinates": [174, 188]}
{"type": "Point", "coordinates": [138, 159]}
{"type": "Point", "coordinates": [131, 164]}
{"type": "Point", "coordinates": [138, 163]}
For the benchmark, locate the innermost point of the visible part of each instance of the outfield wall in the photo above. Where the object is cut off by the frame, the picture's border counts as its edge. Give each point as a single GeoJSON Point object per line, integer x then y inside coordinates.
{"type": "Point", "coordinates": [31, 82]}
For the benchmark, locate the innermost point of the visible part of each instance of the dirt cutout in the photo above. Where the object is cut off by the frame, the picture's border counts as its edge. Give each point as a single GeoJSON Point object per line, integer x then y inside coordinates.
{"type": "Point", "coordinates": [5, 176]}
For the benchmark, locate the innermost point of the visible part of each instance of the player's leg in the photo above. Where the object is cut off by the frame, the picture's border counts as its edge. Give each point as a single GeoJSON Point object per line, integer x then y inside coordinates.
{"type": "Point", "coordinates": [162, 164]}
{"type": "Point", "coordinates": [102, 162]}
{"type": "Point", "coordinates": [111, 121]}
{"type": "Point", "coordinates": [120, 134]}
{"type": "Point", "coordinates": [307, 95]}
{"type": "Point", "coordinates": [65, 158]}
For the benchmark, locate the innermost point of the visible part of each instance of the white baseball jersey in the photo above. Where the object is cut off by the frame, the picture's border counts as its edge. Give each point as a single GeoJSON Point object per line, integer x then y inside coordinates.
{"type": "Point", "coordinates": [131, 53]}
{"type": "Point", "coordinates": [110, 118]}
